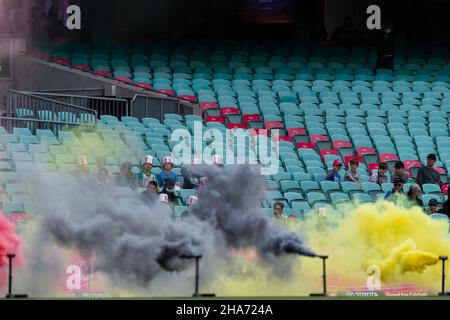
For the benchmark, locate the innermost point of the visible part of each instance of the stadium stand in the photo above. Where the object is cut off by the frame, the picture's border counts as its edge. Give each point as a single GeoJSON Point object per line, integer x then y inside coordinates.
{"type": "Point", "coordinates": [327, 101]}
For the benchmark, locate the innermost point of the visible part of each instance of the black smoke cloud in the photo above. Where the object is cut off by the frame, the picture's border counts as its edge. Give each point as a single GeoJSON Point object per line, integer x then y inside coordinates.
{"type": "Point", "coordinates": [141, 244]}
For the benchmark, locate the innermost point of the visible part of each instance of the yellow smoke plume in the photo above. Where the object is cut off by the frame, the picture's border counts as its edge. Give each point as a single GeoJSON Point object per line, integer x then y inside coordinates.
{"type": "Point", "coordinates": [403, 242]}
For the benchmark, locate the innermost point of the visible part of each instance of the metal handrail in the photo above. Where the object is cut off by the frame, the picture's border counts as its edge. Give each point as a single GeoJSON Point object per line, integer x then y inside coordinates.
{"type": "Point", "coordinates": [23, 104]}
{"type": "Point", "coordinates": [102, 105]}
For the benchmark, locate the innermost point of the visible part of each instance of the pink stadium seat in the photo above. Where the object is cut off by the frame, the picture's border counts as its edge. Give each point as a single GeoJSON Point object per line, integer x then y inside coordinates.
{"type": "Point", "coordinates": [236, 126]}
{"type": "Point", "coordinates": [250, 117]}
{"type": "Point", "coordinates": [103, 73]}
{"type": "Point", "coordinates": [444, 188]}
{"type": "Point", "coordinates": [61, 60]}
{"type": "Point", "coordinates": [259, 132]}
{"type": "Point", "coordinates": [297, 132]}
{"type": "Point", "coordinates": [325, 152]}
{"type": "Point", "coordinates": [318, 138]}
{"type": "Point", "coordinates": [167, 91]}
{"type": "Point", "coordinates": [373, 166]}
{"type": "Point", "coordinates": [283, 138]}
{"type": "Point", "coordinates": [188, 97]}
{"type": "Point", "coordinates": [365, 150]}
{"type": "Point", "coordinates": [226, 111]}
{"type": "Point", "coordinates": [215, 119]}
{"type": "Point", "coordinates": [124, 79]}
{"type": "Point", "coordinates": [412, 164]}
{"type": "Point", "coordinates": [385, 157]}
{"type": "Point", "coordinates": [144, 85]}
{"type": "Point", "coordinates": [208, 105]}
{"type": "Point", "coordinates": [341, 144]}
{"type": "Point", "coordinates": [82, 67]}
{"type": "Point", "coordinates": [273, 125]}
{"type": "Point", "coordinates": [305, 145]}
{"type": "Point", "coordinates": [440, 170]}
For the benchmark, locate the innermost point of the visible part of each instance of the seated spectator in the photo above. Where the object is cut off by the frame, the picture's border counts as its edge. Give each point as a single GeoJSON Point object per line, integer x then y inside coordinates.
{"type": "Point", "coordinates": [103, 176]}
{"type": "Point", "coordinates": [146, 176]}
{"type": "Point", "coordinates": [446, 207]}
{"type": "Point", "coordinates": [83, 167]}
{"type": "Point", "coordinates": [278, 210]}
{"type": "Point", "coordinates": [126, 178]}
{"type": "Point", "coordinates": [164, 198]}
{"type": "Point", "coordinates": [333, 175]}
{"type": "Point", "coordinates": [386, 46]}
{"type": "Point", "coordinates": [414, 195]}
{"type": "Point", "coordinates": [352, 174]}
{"type": "Point", "coordinates": [400, 173]}
{"type": "Point", "coordinates": [193, 200]}
{"type": "Point", "coordinates": [191, 180]}
{"type": "Point", "coordinates": [167, 179]}
{"type": "Point", "coordinates": [432, 207]}
{"type": "Point", "coordinates": [427, 174]}
{"type": "Point", "coordinates": [380, 177]}
{"type": "Point", "coordinates": [398, 190]}
{"type": "Point", "coordinates": [151, 192]}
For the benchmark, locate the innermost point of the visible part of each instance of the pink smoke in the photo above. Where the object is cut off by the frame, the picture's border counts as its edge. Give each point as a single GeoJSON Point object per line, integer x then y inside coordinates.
{"type": "Point", "coordinates": [9, 243]}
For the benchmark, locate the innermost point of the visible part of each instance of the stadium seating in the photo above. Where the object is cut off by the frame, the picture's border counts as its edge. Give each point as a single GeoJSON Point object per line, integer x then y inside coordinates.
{"type": "Point", "coordinates": [327, 102]}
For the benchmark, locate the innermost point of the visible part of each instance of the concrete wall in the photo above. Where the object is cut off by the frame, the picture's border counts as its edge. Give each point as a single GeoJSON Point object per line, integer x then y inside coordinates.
{"type": "Point", "coordinates": [32, 74]}
{"type": "Point", "coordinates": [5, 85]}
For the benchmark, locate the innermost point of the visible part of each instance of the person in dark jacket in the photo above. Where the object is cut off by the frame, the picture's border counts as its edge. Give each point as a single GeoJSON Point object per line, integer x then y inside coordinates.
{"type": "Point", "coordinates": [446, 206]}
{"type": "Point", "coordinates": [386, 43]}
{"type": "Point", "coordinates": [150, 195]}
{"type": "Point", "coordinates": [428, 174]}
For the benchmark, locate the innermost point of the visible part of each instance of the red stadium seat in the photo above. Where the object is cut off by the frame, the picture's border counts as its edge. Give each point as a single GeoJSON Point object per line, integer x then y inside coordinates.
{"type": "Point", "coordinates": [250, 117]}
{"type": "Point", "coordinates": [259, 132]}
{"type": "Point", "coordinates": [144, 85]}
{"type": "Point", "coordinates": [305, 145]}
{"type": "Point", "coordinates": [82, 67]}
{"type": "Point", "coordinates": [444, 188]}
{"type": "Point", "coordinates": [273, 125]}
{"type": "Point", "coordinates": [61, 61]}
{"type": "Point", "coordinates": [228, 110]}
{"type": "Point", "coordinates": [103, 73]}
{"type": "Point", "coordinates": [167, 91]}
{"type": "Point", "coordinates": [341, 144]}
{"type": "Point", "coordinates": [283, 138]}
{"type": "Point", "coordinates": [236, 126]}
{"type": "Point", "coordinates": [124, 79]}
{"type": "Point", "coordinates": [412, 164]}
{"type": "Point", "coordinates": [440, 170]}
{"type": "Point", "coordinates": [385, 157]}
{"type": "Point", "coordinates": [297, 132]}
{"type": "Point", "coordinates": [208, 105]}
{"type": "Point", "coordinates": [215, 119]}
{"type": "Point", "coordinates": [373, 166]}
{"type": "Point", "coordinates": [325, 152]}
{"type": "Point", "coordinates": [188, 97]}
{"type": "Point", "coordinates": [365, 150]}
{"type": "Point", "coordinates": [318, 138]}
